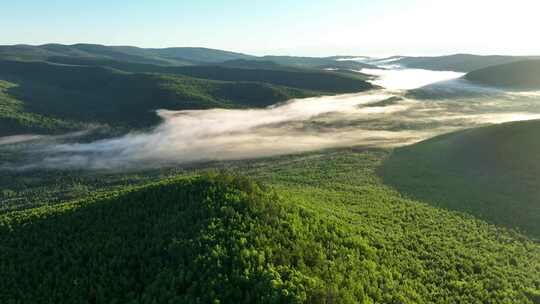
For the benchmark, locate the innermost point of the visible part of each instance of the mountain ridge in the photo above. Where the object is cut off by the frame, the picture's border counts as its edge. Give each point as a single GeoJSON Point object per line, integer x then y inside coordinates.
{"type": "Point", "coordinates": [458, 62]}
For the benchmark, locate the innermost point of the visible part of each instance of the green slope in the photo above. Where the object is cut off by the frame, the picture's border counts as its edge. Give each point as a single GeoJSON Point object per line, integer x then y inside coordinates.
{"type": "Point", "coordinates": [176, 56]}
{"type": "Point", "coordinates": [29, 52]}
{"type": "Point", "coordinates": [205, 240]}
{"type": "Point", "coordinates": [255, 71]}
{"type": "Point", "coordinates": [328, 232]}
{"type": "Point", "coordinates": [166, 56]}
{"type": "Point", "coordinates": [73, 91]}
{"type": "Point", "coordinates": [87, 94]}
{"type": "Point", "coordinates": [197, 54]}
{"type": "Point", "coordinates": [518, 75]}
{"type": "Point", "coordinates": [459, 62]}
{"type": "Point", "coordinates": [14, 119]}
{"type": "Point", "coordinates": [316, 62]}
{"type": "Point", "coordinates": [491, 172]}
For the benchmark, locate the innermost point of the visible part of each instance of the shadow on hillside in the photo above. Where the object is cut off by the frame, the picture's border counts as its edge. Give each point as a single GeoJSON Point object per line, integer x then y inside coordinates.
{"type": "Point", "coordinates": [473, 172]}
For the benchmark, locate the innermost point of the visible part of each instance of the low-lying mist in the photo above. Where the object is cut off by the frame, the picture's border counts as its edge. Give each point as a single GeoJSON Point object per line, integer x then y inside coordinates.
{"type": "Point", "coordinates": [415, 105]}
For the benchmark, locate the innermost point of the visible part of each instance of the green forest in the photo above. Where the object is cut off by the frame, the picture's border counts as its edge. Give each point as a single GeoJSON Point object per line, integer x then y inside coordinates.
{"type": "Point", "coordinates": [52, 95]}
{"type": "Point", "coordinates": [492, 172]}
{"type": "Point", "coordinates": [315, 228]}
{"type": "Point", "coordinates": [450, 219]}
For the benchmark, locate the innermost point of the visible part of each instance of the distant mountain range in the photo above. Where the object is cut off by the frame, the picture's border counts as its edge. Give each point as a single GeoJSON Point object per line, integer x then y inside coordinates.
{"type": "Point", "coordinates": [166, 56]}
{"type": "Point", "coordinates": [459, 62]}
{"type": "Point", "coordinates": [183, 56]}
{"type": "Point", "coordinates": [53, 88]}
{"type": "Point", "coordinates": [177, 56]}
{"type": "Point", "coordinates": [56, 88]}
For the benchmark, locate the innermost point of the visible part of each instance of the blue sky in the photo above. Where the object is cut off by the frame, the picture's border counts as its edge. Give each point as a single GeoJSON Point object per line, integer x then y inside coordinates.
{"type": "Point", "coordinates": [300, 27]}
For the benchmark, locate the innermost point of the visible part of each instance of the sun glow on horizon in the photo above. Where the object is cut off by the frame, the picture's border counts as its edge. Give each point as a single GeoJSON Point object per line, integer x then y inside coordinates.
{"type": "Point", "coordinates": [304, 28]}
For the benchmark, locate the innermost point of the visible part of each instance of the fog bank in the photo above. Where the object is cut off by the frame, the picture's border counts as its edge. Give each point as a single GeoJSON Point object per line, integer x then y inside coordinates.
{"type": "Point", "coordinates": [415, 105]}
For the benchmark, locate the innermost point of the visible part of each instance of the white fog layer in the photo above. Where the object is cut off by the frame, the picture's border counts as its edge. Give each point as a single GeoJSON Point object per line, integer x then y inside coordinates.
{"type": "Point", "coordinates": [415, 105]}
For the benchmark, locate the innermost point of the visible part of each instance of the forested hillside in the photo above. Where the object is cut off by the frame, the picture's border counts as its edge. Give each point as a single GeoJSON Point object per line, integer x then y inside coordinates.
{"type": "Point", "coordinates": [328, 164]}
{"type": "Point", "coordinates": [315, 228]}
{"type": "Point", "coordinates": [72, 92]}
{"type": "Point", "coordinates": [14, 119]}
{"type": "Point", "coordinates": [316, 62]}
{"type": "Point", "coordinates": [217, 239]}
{"type": "Point", "coordinates": [38, 96]}
{"type": "Point", "coordinates": [167, 56]}
{"type": "Point", "coordinates": [174, 56]}
{"type": "Point", "coordinates": [253, 71]}
{"type": "Point", "coordinates": [491, 172]}
{"type": "Point", "coordinates": [517, 75]}
{"type": "Point", "coordinates": [459, 62]}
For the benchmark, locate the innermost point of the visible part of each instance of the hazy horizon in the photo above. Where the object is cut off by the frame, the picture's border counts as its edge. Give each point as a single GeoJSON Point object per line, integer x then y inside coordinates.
{"type": "Point", "coordinates": [380, 56]}
{"type": "Point", "coordinates": [321, 28]}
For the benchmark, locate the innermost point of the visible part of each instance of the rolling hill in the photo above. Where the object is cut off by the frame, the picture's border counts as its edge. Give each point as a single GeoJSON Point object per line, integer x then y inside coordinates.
{"type": "Point", "coordinates": [175, 56]}
{"type": "Point", "coordinates": [50, 98]}
{"type": "Point", "coordinates": [166, 56]}
{"type": "Point", "coordinates": [316, 62]}
{"type": "Point", "coordinates": [515, 75]}
{"type": "Point", "coordinates": [243, 70]}
{"type": "Point", "coordinates": [216, 239]}
{"type": "Point", "coordinates": [351, 225]}
{"type": "Point", "coordinates": [315, 228]}
{"type": "Point", "coordinates": [459, 62]}
{"type": "Point", "coordinates": [491, 172]}
{"type": "Point", "coordinates": [70, 92]}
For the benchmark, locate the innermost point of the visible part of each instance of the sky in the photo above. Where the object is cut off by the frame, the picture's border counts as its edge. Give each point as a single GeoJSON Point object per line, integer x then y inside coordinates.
{"type": "Point", "coordinates": [283, 27]}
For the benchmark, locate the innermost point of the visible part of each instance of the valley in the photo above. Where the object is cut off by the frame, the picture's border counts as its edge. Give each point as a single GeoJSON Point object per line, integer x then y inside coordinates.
{"type": "Point", "coordinates": [190, 175]}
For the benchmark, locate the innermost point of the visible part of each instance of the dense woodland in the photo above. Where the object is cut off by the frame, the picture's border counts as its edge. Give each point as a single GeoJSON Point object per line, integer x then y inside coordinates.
{"type": "Point", "coordinates": [459, 62]}
{"type": "Point", "coordinates": [319, 228]}
{"type": "Point", "coordinates": [45, 97]}
{"type": "Point", "coordinates": [492, 172]}
{"type": "Point", "coordinates": [350, 225]}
